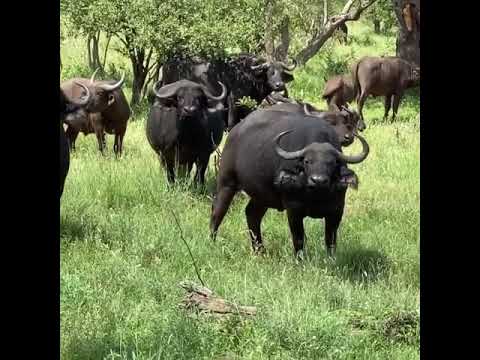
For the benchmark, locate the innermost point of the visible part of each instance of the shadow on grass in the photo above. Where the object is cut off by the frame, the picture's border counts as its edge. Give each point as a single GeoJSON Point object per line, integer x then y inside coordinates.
{"type": "Point", "coordinates": [361, 265]}
{"type": "Point", "coordinates": [74, 229]}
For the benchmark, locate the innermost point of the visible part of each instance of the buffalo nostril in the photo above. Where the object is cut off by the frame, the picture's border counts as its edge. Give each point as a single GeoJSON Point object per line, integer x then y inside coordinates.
{"type": "Point", "coordinates": [319, 180]}
{"type": "Point", "coordinates": [189, 109]}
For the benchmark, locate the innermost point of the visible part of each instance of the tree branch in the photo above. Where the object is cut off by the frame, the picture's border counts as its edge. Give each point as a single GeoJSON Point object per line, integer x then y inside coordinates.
{"type": "Point", "coordinates": [333, 23]}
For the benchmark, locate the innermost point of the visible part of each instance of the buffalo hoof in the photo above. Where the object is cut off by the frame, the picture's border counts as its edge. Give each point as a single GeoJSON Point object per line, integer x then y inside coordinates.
{"type": "Point", "coordinates": [300, 256]}
{"type": "Point", "coordinates": [259, 249]}
{"type": "Point", "coordinates": [331, 253]}
{"type": "Point", "coordinates": [213, 236]}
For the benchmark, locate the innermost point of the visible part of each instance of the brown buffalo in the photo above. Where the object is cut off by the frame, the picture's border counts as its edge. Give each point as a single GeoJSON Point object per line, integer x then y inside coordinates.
{"type": "Point", "coordinates": [338, 92]}
{"type": "Point", "coordinates": [383, 76]}
{"type": "Point", "coordinates": [108, 111]}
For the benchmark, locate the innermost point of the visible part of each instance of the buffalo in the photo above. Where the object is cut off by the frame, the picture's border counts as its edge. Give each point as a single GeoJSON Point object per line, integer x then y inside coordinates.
{"type": "Point", "coordinates": [254, 158]}
{"type": "Point", "coordinates": [386, 76]}
{"type": "Point", "coordinates": [244, 75]}
{"type": "Point", "coordinates": [182, 129]}
{"type": "Point", "coordinates": [67, 107]}
{"type": "Point", "coordinates": [338, 92]}
{"type": "Point", "coordinates": [343, 121]}
{"type": "Point", "coordinates": [108, 111]}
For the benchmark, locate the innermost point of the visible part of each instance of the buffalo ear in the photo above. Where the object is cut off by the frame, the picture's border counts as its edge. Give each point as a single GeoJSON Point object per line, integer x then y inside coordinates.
{"type": "Point", "coordinates": [350, 179]}
{"type": "Point", "coordinates": [111, 99]}
{"type": "Point", "coordinates": [287, 77]}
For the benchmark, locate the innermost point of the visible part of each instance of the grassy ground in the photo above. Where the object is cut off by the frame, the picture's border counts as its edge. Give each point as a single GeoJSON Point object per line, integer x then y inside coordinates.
{"type": "Point", "coordinates": [122, 256]}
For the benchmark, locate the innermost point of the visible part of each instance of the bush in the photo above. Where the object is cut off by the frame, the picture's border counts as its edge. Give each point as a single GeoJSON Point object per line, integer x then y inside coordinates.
{"type": "Point", "coordinates": [74, 68]}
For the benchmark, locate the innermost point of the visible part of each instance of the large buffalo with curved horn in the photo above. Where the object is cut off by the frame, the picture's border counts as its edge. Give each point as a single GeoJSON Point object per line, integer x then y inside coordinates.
{"type": "Point", "coordinates": [256, 153]}
{"type": "Point", "coordinates": [243, 75]}
{"type": "Point", "coordinates": [183, 129]}
{"type": "Point", "coordinates": [68, 107]}
{"type": "Point", "coordinates": [107, 112]}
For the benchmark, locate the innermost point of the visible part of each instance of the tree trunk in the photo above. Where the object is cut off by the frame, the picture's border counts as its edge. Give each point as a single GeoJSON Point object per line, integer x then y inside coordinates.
{"type": "Point", "coordinates": [140, 69]}
{"type": "Point", "coordinates": [93, 52]}
{"type": "Point", "coordinates": [376, 26]}
{"type": "Point", "coordinates": [408, 38]}
{"type": "Point", "coordinates": [152, 78]}
{"type": "Point", "coordinates": [106, 51]}
{"type": "Point", "coordinates": [281, 52]}
{"type": "Point", "coordinates": [269, 45]}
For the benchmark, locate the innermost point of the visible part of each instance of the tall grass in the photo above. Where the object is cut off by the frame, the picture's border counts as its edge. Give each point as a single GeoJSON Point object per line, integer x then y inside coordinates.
{"type": "Point", "coordinates": [122, 257]}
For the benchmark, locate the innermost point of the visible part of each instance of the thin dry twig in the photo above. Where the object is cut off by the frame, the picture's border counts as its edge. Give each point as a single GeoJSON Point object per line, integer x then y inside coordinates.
{"type": "Point", "coordinates": [188, 247]}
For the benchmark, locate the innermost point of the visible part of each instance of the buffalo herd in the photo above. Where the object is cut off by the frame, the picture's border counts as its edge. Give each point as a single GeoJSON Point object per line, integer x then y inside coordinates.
{"type": "Point", "coordinates": [285, 154]}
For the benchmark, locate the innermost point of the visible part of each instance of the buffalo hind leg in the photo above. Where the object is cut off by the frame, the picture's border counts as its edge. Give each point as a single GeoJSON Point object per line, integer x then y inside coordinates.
{"type": "Point", "coordinates": [397, 98]}
{"type": "Point", "coordinates": [361, 101]}
{"type": "Point", "coordinates": [331, 227]}
{"type": "Point", "coordinates": [295, 222]}
{"type": "Point", "coordinates": [255, 214]}
{"type": "Point", "coordinates": [201, 165]}
{"type": "Point", "coordinates": [388, 104]}
{"type": "Point", "coordinates": [220, 207]}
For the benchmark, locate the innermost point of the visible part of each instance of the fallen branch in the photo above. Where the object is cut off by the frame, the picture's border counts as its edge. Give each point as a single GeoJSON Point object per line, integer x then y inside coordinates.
{"type": "Point", "coordinates": [204, 300]}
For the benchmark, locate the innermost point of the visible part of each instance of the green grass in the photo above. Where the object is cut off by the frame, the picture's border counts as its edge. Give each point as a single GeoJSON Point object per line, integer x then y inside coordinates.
{"type": "Point", "coordinates": [122, 257]}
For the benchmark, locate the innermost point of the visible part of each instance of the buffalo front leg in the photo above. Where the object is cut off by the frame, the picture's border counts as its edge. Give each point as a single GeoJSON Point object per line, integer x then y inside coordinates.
{"type": "Point", "coordinates": [397, 98]}
{"type": "Point", "coordinates": [72, 137]}
{"type": "Point", "coordinates": [168, 162]}
{"type": "Point", "coordinates": [255, 213]}
{"type": "Point", "coordinates": [331, 227]}
{"type": "Point", "coordinates": [295, 222]}
{"type": "Point", "coordinates": [231, 112]}
{"type": "Point", "coordinates": [220, 206]}
{"type": "Point", "coordinates": [388, 104]}
{"type": "Point", "coordinates": [118, 144]}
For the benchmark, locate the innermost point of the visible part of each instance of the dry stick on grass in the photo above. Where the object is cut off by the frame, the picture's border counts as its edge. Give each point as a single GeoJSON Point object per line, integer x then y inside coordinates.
{"type": "Point", "coordinates": [188, 247]}
{"type": "Point", "coordinates": [204, 299]}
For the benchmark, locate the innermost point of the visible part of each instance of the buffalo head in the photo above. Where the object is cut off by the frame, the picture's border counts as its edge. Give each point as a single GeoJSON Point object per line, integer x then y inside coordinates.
{"type": "Point", "coordinates": [102, 93]}
{"type": "Point", "coordinates": [190, 97]}
{"type": "Point", "coordinates": [320, 161]}
{"type": "Point", "coordinates": [277, 73]}
{"type": "Point", "coordinates": [345, 122]}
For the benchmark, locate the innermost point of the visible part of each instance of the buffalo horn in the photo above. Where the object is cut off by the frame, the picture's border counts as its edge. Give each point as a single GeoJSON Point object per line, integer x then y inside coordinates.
{"type": "Point", "coordinates": [287, 155]}
{"type": "Point", "coordinates": [113, 87]}
{"type": "Point", "coordinates": [86, 99]}
{"type": "Point", "coordinates": [291, 67]}
{"type": "Point", "coordinates": [355, 159]}
{"type": "Point", "coordinates": [216, 98]}
{"type": "Point", "coordinates": [92, 79]}
{"type": "Point", "coordinates": [260, 67]}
